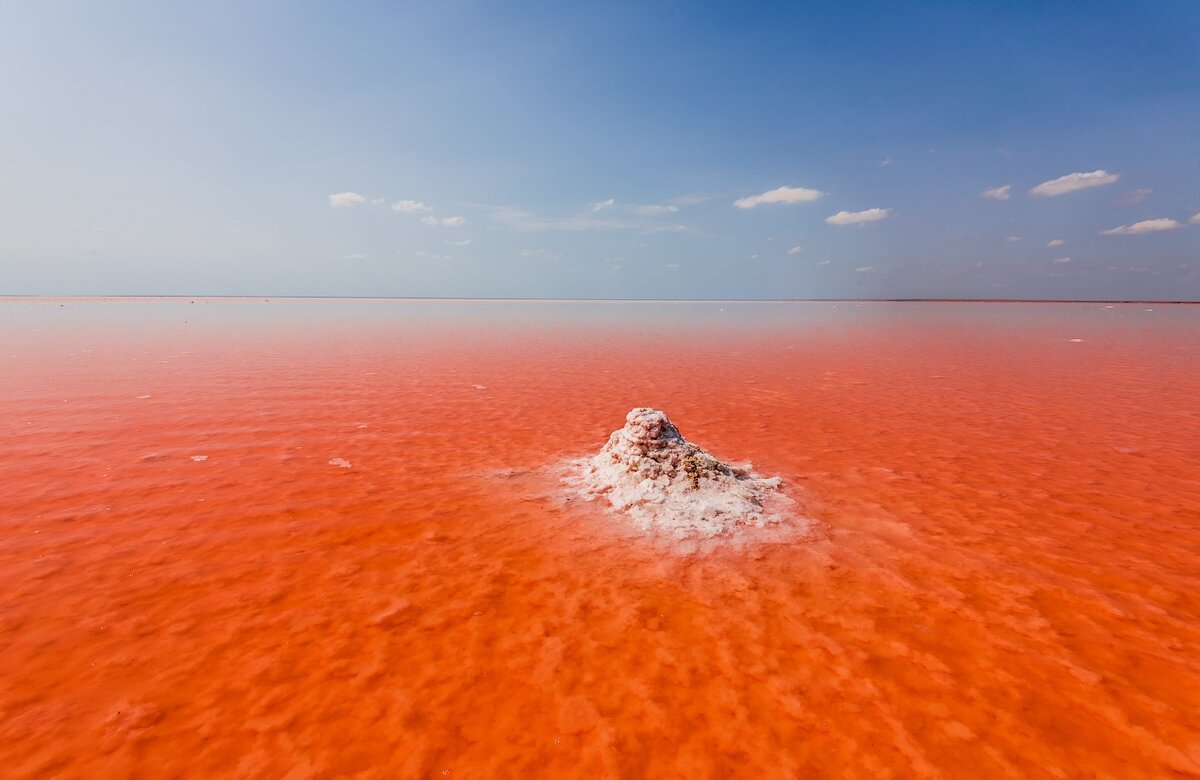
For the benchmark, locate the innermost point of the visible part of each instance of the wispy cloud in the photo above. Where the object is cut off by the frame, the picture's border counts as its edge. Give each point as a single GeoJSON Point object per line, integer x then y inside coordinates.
{"type": "Point", "coordinates": [526, 221]}
{"type": "Point", "coordinates": [444, 222]}
{"type": "Point", "coordinates": [654, 209]}
{"type": "Point", "coordinates": [1145, 226]}
{"type": "Point", "coordinates": [864, 269]}
{"type": "Point", "coordinates": [541, 254]}
{"type": "Point", "coordinates": [1138, 195]}
{"type": "Point", "coordinates": [642, 210]}
{"type": "Point", "coordinates": [779, 195]}
{"type": "Point", "coordinates": [858, 217]}
{"type": "Point", "coordinates": [1061, 260]}
{"type": "Point", "coordinates": [1013, 239]}
{"type": "Point", "coordinates": [1055, 242]}
{"type": "Point", "coordinates": [410, 207]}
{"type": "Point", "coordinates": [998, 193]}
{"type": "Point", "coordinates": [1073, 182]}
{"type": "Point", "coordinates": [1195, 220]}
{"type": "Point", "coordinates": [795, 250]}
{"type": "Point", "coordinates": [342, 200]}
{"type": "Point", "coordinates": [461, 242]}
{"type": "Point", "coordinates": [885, 162]}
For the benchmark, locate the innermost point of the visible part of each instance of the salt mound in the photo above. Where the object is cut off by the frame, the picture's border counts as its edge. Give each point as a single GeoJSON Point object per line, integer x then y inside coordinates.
{"type": "Point", "coordinates": [668, 485]}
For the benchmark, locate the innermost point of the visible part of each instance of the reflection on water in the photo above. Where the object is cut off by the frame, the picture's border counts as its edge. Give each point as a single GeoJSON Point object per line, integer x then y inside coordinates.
{"type": "Point", "coordinates": [247, 537]}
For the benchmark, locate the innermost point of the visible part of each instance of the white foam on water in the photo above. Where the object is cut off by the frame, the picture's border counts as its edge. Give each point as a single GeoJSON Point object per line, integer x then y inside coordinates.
{"type": "Point", "coordinates": [199, 458]}
{"type": "Point", "coordinates": [340, 463]}
{"type": "Point", "coordinates": [670, 487]}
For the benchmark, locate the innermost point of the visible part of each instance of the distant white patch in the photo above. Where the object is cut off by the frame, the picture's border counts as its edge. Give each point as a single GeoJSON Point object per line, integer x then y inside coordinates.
{"type": "Point", "coordinates": [340, 463]}
{"type": "Point", "coordinates": [479, 387]}
{"type": "Point", "coordinates": [998, 193]}
{"type": "Point", "coordinates": [1013, 239]}
{"type": "Point", "coordinates": [672, 266]}
{"type": "Point", "coordinates": [779, 195]}
{"type": "Point", "coordinates": [604, 204]}
{"type": "Point", "coordinates": [444, 222]}
{"type": "Point", "coordinates": [864, 269]}
{"type": "Point", "coordinates": [345, 199]}
{"type": "Point", "coordinates": [410, 207]}
{"type": "Point", "coordinates": [1145, 226]}
{"type": "Point", "coordinates": [1138, 195]}
{"type": "Point", "coordinates": [654, 209]}
{"type": "Point", "coordinates": [885, 162]}
{"type": "Point", "coordinates": [143, 396]}
{"type": "Point", "coordinates": [541, 254]}
{"type": "Point", "coordinates": [1073, 182]}
{"type": "Point", "coordinates": [199, 458]}
{"type": "Point", "coordinates": [670, 487]}
{"type": "Point", "coordinates": [1195, 220]}
{"type": "Point", "coordinates": [1062, 260]}
{"type": "Point", "coordinates": [1076, 341]}
{"type": "Point", "coordinates": [462, 242]}
{"type": "Point", "coordinates": [1055, 243]}
{"type": "Point", "coordinates": [795, 250]}
{"type": "Point", "coordinates": [858, 217]}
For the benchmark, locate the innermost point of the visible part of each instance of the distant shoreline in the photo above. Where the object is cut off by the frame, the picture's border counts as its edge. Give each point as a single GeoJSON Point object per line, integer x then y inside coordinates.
{"type": "Point", "coordinates": [9, 298]}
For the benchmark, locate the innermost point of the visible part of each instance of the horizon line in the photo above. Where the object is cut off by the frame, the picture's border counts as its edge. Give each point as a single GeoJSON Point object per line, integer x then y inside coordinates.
{"type": "Point", "coordinates": [8, 297]}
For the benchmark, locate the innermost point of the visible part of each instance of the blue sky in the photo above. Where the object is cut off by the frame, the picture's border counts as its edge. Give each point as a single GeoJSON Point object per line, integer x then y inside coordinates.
{"type": "Point", "coordinates": [601, 150]}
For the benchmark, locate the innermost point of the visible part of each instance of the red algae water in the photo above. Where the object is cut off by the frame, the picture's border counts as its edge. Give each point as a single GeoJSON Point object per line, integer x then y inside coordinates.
{"type": "Point", "coordinates": [262, 538]}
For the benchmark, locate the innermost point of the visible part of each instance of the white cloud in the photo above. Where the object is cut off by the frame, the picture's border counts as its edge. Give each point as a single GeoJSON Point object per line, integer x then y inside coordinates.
{"type": "Point", "coordinates": [604, 204]}
{"type": "Point", "coordinates": [446, 222]}
{"type": "Point", "coordinates": [1055, 242]}
{"type": "Point", "coordinates": [1013, 239]}
{"type": "Point", "coordinates": [1073, 182]}
{"type": "Point", "coordinates": [345, 199]}
{"type": "Point", "coordinates": [1138, 195]}
{"type": "Point", "coordinates": [1062, 260]}
{"type": "Point", "coordinates": [378, 201]}
{"type": "Point", "coordinates": [885, 162]}
{"type": "Point", "coordinates": [823, 262]}
{"type": "Point", "coordinates": [779, 195]}
{"type": "Point", "coordinates": [858, 217]}
{"type": "Point", "coordinates": [864, 269]}
{"type": "Point", "coordinates": [998, 193]}
{"type": "Point", "coordinates": [1195, 220]}
{"type": "Point", "coordinates": [410, 207]}
{"type": "Point", "coordinates": [795, 250]}
{"type": "Point", "coordinates": [462, 242]}
{"type": "Point", "coordinates": [1145, 226]}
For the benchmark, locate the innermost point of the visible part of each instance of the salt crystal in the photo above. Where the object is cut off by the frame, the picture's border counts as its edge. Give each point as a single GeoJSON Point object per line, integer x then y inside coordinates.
{"type": "Point", "coordinates": [668, 485]}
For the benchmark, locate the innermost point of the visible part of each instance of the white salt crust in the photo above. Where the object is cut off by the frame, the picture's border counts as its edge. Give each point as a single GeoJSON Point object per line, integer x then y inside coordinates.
{"type": "Point", "coordinates": [669, 486]}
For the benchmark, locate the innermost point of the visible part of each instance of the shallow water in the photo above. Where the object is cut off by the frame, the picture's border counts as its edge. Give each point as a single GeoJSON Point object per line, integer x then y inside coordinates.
{"type": "Point", "coordinates": [248, 537]}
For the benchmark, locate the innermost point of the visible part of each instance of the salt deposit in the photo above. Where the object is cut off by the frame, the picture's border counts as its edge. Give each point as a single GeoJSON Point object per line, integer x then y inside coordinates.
{"type": "Point", "coordinates": [669, 486]}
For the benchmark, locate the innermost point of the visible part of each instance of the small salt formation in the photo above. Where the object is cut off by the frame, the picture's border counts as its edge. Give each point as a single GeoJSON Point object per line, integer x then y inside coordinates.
{"type": "Point", "coordinates": [668, 485]}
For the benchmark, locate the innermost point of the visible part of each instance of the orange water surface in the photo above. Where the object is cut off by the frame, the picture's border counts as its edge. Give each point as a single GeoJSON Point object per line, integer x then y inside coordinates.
{"type": "Point", "coordinates": [1003, 579]}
